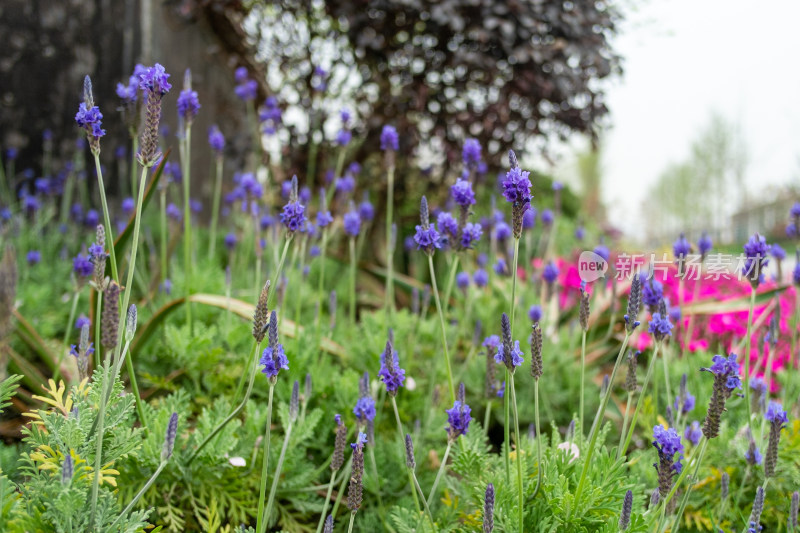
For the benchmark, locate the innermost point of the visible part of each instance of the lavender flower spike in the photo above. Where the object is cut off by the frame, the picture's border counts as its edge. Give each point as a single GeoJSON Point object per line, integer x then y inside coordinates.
{"type": "Point", "coordinates": [293, 215]}
{"type": "Point", "coordinates": [777, 419]}
{"type": "Point", "coordinates": [411, 463]}
{"type": "Point", "coordinates": [458, 417]}
{"type": "Point", "coordinates": [328, 528]}
{"type": "Point", "coordinates": [155, 85]}
{"type": "Point", "coordinates": [726, 380]}
{"type": "Point", "coordinates": [426, 236]}
{"type": "Point", "coordinates": [755, 515]}
{"type": "Point", "coordinates": [627, 507]}
{"type": "Point", "coordinates": [488, 509]}
{"type": "Point", "coordinates": [338, 448]}
{"type": "Point", "coordinates": [355, 491]}
{"type": "Point", "coordinates": [634, 305]}
{"type": "Point", "coordinates": [89, 117]}
{"type": "Point", "coordinates": [109, 321]}
{"type": "Point", "coordinates": [517, 191]}
{"type": "Point", "coordinates": [391, 373]}
{"type": "Point", "coordinates": [756, 250]}
{"type": "Point", "coordinates": [509, 355]}
{"type": "Point", "coordinates": [668, 444]}
{"type": "Point", "coordinates": [169, 438]}
{"type": "Point", "coordinates": [273, 358]}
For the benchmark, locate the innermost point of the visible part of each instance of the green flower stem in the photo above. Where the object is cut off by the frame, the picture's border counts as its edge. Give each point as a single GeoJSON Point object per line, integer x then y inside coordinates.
{"type": "Point", "coordinates": [345, 479]}
{"type": "Point", "coordinates": [327, 501]}
{"type": "Point", "coordinates": [107, 218]}
{"type": "Point", "coordinates": [187, 223]}
{"type": "Point", "coordinates": [435, 291]}
{"type": "Point", "coordinates": [635, 416]}
{"type": "Point", "coordinates": [298, 300]}
{"type": "Point", "coordinates": [261, 522]}
{"type": "Point", "coordinates": [389, 292]}
{"type": "Point", "coordinates": [520, 492]}
{"type": "Point", "coordinates": [403, 445]}
{"type": "Point", "coordinates": [741, 487]}
{"type": "Point", "coordinates": [352, 518]}
{"type": "Point", "coordinates": [253, 367]}
{"type": "Point", "coordinates": [253, 123]}
{"type": "Point", "coordinates": [126, 294]}
{"type": "Point", "coordinates": [215, 208]}
{"type": "Point", "coordinates": [598, 419]}
{"type": "Point", "coordinates": [539, 469]}
{"type": "Point", "coordinates": [583, 377]}
{"type": "Point", "coordinates": [487, 417]}
{"type": "Point", "coordinates": [514, 285]}
{"type": "Point", "coordinates": [134, 150]}
{"type": "Point", "coordinates": [162, 217]}
{"type": "Point", "coordinates": [451, 277]}
{"type": "Point", "coordinates": [98, 454]}
{"type": "Point", "coordinates": [507, 427]}
{"type": "Point", "coordinates": [439, 473]}
{"type": "Point", "coordinates": [276, 478]}
{"type": "Point", "coordinates": [352, 280]}
{"type": "Point", "coordinates": [413, 477]}
{"type": "Point", "coordinates": [625, 424]}
{"type": "Point", "coordinates": [139, 494]}
{"type": "Point", "coordinates": [701, 450]}
{"type": "Point", "coordinates": [97, 347]}
{"type": "Point", "coordinates": [747, 355]}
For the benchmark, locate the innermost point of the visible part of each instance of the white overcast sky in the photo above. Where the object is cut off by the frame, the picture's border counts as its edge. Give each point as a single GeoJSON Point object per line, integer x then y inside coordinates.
{"type": "Point", "coordinates": [685, 59]}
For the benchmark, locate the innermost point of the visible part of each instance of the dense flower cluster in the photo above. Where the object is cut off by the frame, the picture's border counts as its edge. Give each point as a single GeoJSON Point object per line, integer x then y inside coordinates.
{"type": "Point", "coordinates": [390, 373]}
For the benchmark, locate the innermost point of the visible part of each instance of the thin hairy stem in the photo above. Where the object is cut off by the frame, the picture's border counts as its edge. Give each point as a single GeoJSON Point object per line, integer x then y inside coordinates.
{"type": "Point", "coordinates": [327, 502]}
{"type": "Point", "coordinates": [276, 478]}
{"type": "Point", "coordinates": [635, 416]}
{"type": "Point", "coordinates": [106, 218]}
{"type": "Point", "coordinates": [520, 492]}
{"type": "Point", "coordinates": [403, 444]}
{"type": "Point", "coordinates": [389, 292]}
{"type": "Point", "coordinates": [215, 208]}
{"type": "Point", "coordinates": [352, 280]}
{"type": "Point", "coordinates": [539, 467]}
{"type": "Point", "coordinates": [435, 291]}
{"type": "Point", "coordinates": [439, 473]}
{"type": "Point", "coordinates": [261, 525]}
{"type": "Point", "coordinates": [139, 494]}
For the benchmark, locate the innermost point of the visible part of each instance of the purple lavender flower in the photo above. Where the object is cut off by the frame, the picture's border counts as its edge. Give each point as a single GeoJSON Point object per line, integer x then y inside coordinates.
{"type": "Point", "coordinates": [704, 245]}
{"type": "Point", "coordinates": [173, 212]}
{"type": "Point", "coordinates": [352, 223]}
{"type": "Point", "coordinates": [215, 139]}
{"type": "Point", "coordinates": [345, 184]}
{"type": "Point", "coordinates": [166, 286]}
{"type": "Point", "coordinates": [778, 420]}
{"type": "Point", "coordinates": [230, 241]}
{"type": "Point", "coordinates": [777, 252]}
{"type": "Point", "coordinates": [652, 292]}
{"type": "Point", "coordinates": [580, 233]}
{"type": "Point", "coordinates": [188, 104]}
{"type": "Point", "coordinates": [154, 79]}
{"type": "Point", "coordinates": [82, 266]}
{"type": "Point", "coordinates": [364, 409]}
{"type": "Point", "coordinates": [128, 205]}
{"type": "Point", "coordinates": [752, 454]}
{"type": "Point", "coordinates": [343, 137]}
{"type": "Point", "coordinates": [90, 120]}
{"type": "Point", "coordinates": [247, 88]}
{"type": "Point", "coordinates": [273, 358]}
{"type": "Point", "coordinates": [33, 257]}
{"type": "Point", "coordinates": [550, 273]}
{"type": "Point", "coordinates": [293, 214]}
{"type": "Point", "coordinates": [154, 82]}
{"type": "Point", "coordinates": [726, 380]}
{"type": "Point", "coordinates": [548, 217]}
{"type": "Point", "coordinates": [270, 116]}
{"type": "Point", "coordinates": [426, 236]}
{"type": "Point", "coordinates": [462, 280]}
{"type": "Point", "coordinates": [389, 138]}
{"type": "Point", "coordinates": [470, 235]}
{"type": "Point", "coordinates": [471, 152]}
{"type": "Point", "coordinates": [517, 186]}
{"type": "Point", "coordinates": [668, 444]}
{"type": "Point", "coordinates": [501, 268]}
{"type": "Point", "coordinates": [535, 313]}
{"type": "Point", "coordinates": [502, 231]}
{"type": "Point", "coordinates": [515, 358]}
{"type": "Point", "coordinates": [659, 327]}
{"type": "Point", "coordinates": [81, 320]}
{"type": "Point", "coordinates": [508, 353]}
{"type": "Point", "coordinates": [603, 251]}
{"type": "Point", "coordinates": [529, 218]}
{"type": "Point", "coordinates": [462, 193]}
{"type": "Point", "coordinates": [366, 210]}
{"type": "Point", "coordinates": [681, 248]}
{"type": "Point", "coordinates": [391, 373]}
{"type": "Point", "coordinates": [756, 249]}
{"type": "Point", "coordinates": [458, 418]}
{"type": "Point", "coordinates": [693, 433]}
{"type": "Point", "coordinates": [447, 224]}
{"type": "Point", "coordinates": [684, 404]}
{"type": "Point", "coordinates": [480, 278]}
